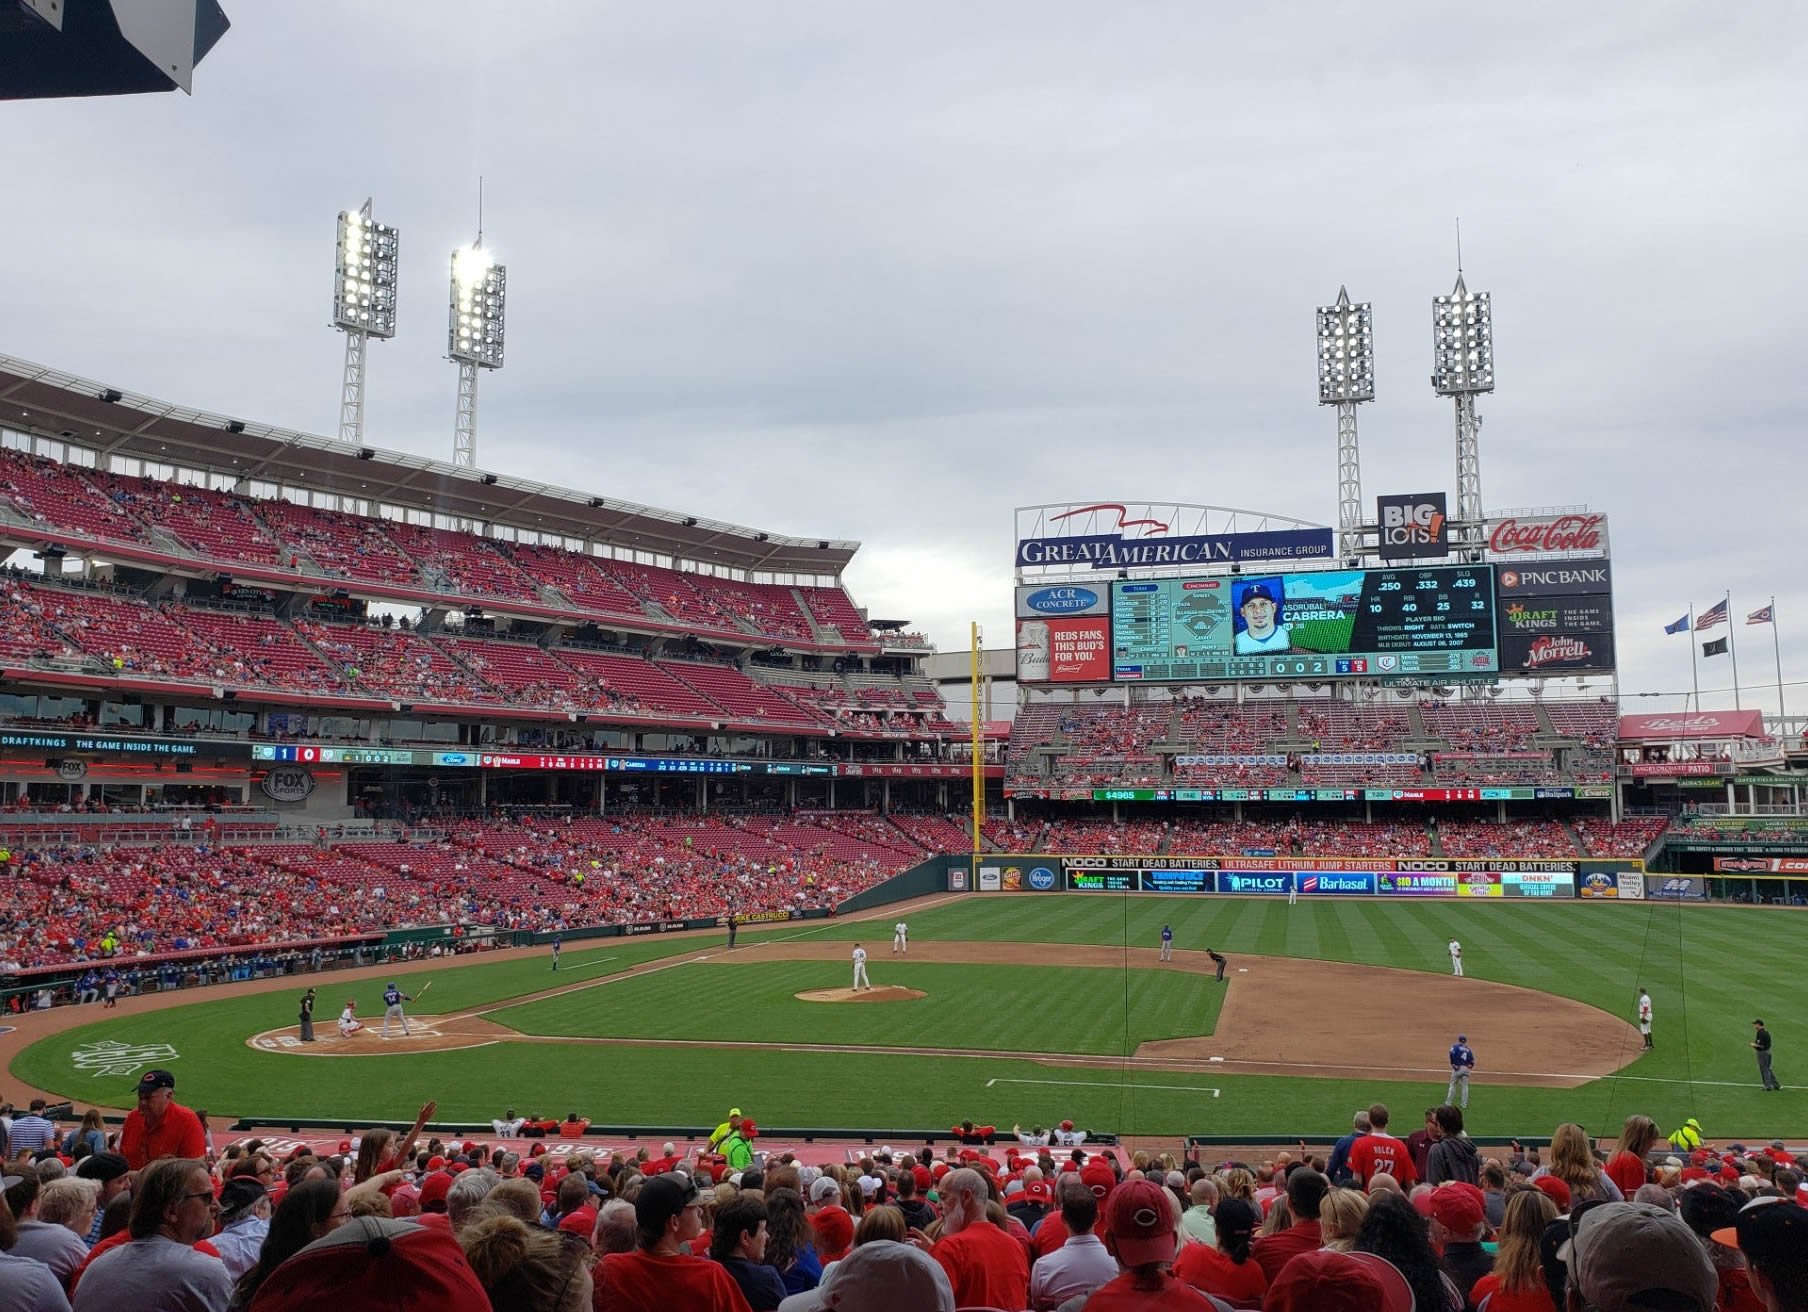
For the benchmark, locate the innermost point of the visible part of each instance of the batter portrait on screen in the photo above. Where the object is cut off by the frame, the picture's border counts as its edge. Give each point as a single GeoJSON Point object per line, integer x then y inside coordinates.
{"type": "Point", "coordinates": [1261, 625]}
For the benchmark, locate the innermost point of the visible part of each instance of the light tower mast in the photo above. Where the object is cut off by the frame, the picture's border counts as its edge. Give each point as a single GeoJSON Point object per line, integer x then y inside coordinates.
{"type": "Point", "coordinates": [364, 305]}
{"type": "Point", "coordinates": [474, 333]}
{"type": "Point", "coordinates": [1462, 348]}
{"type": "Point", "coordinates": [1346, 378]}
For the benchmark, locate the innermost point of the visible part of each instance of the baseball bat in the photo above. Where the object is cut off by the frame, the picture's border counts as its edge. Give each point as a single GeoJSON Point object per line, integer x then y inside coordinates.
{"type": "Point", "coordinates": [424, 988]}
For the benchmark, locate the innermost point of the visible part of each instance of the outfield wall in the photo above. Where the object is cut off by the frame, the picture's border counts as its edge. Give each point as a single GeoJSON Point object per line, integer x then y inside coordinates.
{"type": "Point", "coordinates": [1588, 878]}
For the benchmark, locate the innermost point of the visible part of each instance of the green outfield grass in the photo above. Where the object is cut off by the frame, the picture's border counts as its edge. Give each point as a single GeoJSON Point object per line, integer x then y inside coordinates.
{"type": "Point", "coordinates": [1710, 971]}
{"type": "Point", "coordinates": [965, 1006]}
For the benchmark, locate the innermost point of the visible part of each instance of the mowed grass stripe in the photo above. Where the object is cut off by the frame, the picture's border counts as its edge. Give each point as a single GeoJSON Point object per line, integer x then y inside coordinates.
{"type": "Point", "coordinates": [1047, 1008]}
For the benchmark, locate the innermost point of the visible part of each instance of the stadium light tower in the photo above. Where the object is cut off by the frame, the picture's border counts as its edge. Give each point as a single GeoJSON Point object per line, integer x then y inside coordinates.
{"type": "Point", "coordinates": [364, 305]}
{"type": "Point", "coordinates": [1346, 378]}
{"type": "Point", "coordinates": [474, 335]}
{"type": "Point", "coordinates": [1462, 348]}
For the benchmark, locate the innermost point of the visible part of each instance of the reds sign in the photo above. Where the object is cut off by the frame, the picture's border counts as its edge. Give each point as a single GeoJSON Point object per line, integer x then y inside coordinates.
{"type": "Point", "coordinates": [1547, 534]}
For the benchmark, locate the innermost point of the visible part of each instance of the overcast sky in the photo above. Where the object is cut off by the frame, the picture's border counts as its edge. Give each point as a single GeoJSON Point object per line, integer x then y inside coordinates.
{"type": "Point", "coordinates": [884, 272]}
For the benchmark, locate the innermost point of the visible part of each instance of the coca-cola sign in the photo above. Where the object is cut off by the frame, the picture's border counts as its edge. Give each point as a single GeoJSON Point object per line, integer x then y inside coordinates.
{"type": "Point", "coordinates": [1544, 535]}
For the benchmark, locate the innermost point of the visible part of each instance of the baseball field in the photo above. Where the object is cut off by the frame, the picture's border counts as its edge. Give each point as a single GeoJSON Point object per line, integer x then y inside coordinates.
{"type": "Point", "coordinates": [1018, 1008]}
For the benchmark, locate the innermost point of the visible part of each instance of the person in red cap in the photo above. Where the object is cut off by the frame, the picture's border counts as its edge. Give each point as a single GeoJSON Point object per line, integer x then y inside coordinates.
{"type": "Point", "coordinates": [986, 1267]}
{"type": "Point", "coordinates": [1068, 1137]}
{"type": "Point", "coordinates": [1329, 1281]}
{"type": "Point", "coordinates": [160, 1126]}
{"type": "Point", "coordinates": [1556, 1191]}
{"type": "Point", "coordinates": [1458, 1222]}
{"type": "Point", "coordinates": [1142, 1231]}
{"type": "Point", "coordinates": [434, 1188]}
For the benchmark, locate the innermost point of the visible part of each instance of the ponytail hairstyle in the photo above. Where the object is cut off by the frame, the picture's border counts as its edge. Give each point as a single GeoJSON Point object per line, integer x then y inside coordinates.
{"type": "Point", "coordinates": [1236, 1221]}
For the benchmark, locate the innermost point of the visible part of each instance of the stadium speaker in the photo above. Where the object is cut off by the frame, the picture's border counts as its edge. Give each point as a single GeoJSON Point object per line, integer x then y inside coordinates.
{"type": "Point", "coordinates": [365, 453]}
{"type": "Point", "coordinates": [822, 544]}
{"type": "Point", "coordinates": [406, 708]}
{"type": "Point", "coordinates": [761, 537]}
{"type": "Point", "coordinates": [596, 503]}
{"type": "Point", "coordinates": [229, 695]}
{"type": "Point", "coordinates": [489, 480]}
{"type": "Point", "coordinates": [690, 521]}
{"type": "Point", "coordinates": [111, 396]}
{"type": "Point", "coordinates": [235, 425]}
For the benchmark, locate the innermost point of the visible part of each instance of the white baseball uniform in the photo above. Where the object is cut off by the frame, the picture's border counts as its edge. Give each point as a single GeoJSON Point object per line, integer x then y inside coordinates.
{"type": "Point", "coordinates": [900, 941]}
{"type": "Point", "coordinates": [1456, 958]}
{"type": "Point", "coordinates": [1645, 1017]}
{"type": "Point", "coordinates": [860, 980]}
{"type": "Point", "coordinates": [349, 1022]}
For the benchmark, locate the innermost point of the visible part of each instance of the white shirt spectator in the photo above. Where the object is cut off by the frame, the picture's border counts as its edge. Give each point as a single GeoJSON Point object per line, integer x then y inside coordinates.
{"type": "Point", "coordinates": [28, 1286]}
{"type": "Point", "coordinates": [508, 1129]}
{"type": "Point", "coordinates": [154, 1275]}
{"type": "Point", "coordinates": [30, 1131]}
{"type": "Point", "coordinates": [56, 1246]}
{"type": "Point", "coordinates": [1078, 1267]}
{"type": "Point", "coordinates": [240, 1243]}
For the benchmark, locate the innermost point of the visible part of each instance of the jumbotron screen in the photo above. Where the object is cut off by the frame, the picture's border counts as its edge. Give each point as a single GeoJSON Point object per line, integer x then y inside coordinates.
{"type": "Point", "coordinates": [1376, 623]}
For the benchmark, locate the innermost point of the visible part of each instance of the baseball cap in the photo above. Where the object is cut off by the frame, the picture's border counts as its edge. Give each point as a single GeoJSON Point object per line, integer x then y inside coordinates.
{"type": "Point", "coordinates": [361, 1266]}
{"type": "Point", "coordinates": [1620, 1253]}
{"type": "Point", "coordinates": [151, 1081]}
{"type": "Point", "coordinates": [1767, 1231]}
{"type": "Point", "coordinates": [1141, 1223]}
{"type": "Point", "coordinates": [1257, 591]}
{"type": "Point", "coordinates": [1557, 1189]}
{"type": "Point", "coordinates": [824, 1187]}
{"type": "Point", "coordinates": [1458, 1207]}
{"type": "Point", "coordinates": [434, 1189]}
{"type": "Point", "coordinates": [1037, 1191]}
{"type": "Point", "coordinates": [1098, 1177]}
{"type": "Point", "coordinates": [661, 1198]}
{"type": "Point", "coordinates": [1329, 1281]}
{"type": "Point", "coordinates": [1067, 1125]}
{"type": "Point", "coordinates": [240, 1192]}
{"type": "Point", "coordinates": [102, 1167]}
{"type": "Point", "coordinates": [834, 1232]}
{"type": "Point", "coordinates": [405, 1200]}
{"type": "Point", "coordinates": [880, 1276]}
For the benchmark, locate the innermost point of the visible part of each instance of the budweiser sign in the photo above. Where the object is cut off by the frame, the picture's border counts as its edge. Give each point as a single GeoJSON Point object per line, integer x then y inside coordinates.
{"type": "Point", "coordinates": [1528, 537]}
{"type": "Point", "coordinates": [1550, 650]}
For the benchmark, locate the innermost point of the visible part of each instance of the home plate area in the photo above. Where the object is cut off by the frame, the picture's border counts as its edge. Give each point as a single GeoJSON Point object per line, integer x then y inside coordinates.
{"type": "Point", "coordinates": [425, 1034]}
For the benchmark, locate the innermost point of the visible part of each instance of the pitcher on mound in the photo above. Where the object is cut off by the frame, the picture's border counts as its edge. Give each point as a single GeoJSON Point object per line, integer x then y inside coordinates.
{"type": "Point", "coordinates": [860, 980]}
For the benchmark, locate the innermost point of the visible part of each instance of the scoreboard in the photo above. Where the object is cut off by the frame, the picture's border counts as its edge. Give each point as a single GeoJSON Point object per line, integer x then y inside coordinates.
{"type": "Point", "coordinates": [1378, 623]}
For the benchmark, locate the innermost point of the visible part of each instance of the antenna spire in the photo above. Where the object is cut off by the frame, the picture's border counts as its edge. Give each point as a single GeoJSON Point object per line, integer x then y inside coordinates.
{"type": "Point", "coordinates": [1459, 246]}
{"type": "Point", "coordinates": [480, 222]}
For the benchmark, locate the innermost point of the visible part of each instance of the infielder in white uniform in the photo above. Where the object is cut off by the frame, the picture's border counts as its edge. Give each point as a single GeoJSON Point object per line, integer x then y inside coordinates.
{"type": "Point", "coordinates": [860, 980]}
{"type": "Point", "coordinates": [1456, 958]}
{"type": "Point", "coordinates": [349, 1023]}
{"type": "Point", "coordinates": [1644, 1016]}
{"type": "Point", "coordinates": [900, 937]}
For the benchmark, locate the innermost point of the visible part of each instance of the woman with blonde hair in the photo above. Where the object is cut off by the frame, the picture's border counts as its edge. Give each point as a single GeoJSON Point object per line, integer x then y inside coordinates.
{"type": "Point", "coordinates": [1237, 1183]}
{"type": "Point", "coordinates": [1517, 1282]}
{"type": "Point", "coordinates": [1573, 1162]}
{"type": "Point", "coordinates": [1340, 1217]}
{"type": "Point", "coordinates": [1279, 1218]}
{"type": "Point", "coordinates": [882, 1222]}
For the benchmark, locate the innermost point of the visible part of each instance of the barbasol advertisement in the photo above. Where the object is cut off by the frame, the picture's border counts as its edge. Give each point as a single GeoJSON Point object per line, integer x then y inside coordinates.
{"type": "Point", "coordinates": [1317, 884]}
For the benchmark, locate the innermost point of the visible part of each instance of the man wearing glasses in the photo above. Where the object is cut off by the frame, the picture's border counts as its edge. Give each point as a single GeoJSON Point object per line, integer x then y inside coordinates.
{"type": "Point", "coordinates": [173, 1208]}
{"type": "Point", "coordinates": [160, 1126]}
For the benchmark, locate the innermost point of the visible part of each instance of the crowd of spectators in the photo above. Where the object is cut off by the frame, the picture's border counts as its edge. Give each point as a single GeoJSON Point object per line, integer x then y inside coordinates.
{"type": "Point", "coordinates": [156, 1218]}
{"type": "Point", "coordinates": [1515, 838]}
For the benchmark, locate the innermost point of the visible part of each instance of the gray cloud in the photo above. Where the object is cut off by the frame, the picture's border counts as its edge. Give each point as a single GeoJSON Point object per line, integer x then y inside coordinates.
{"type": "Point", "coordinates": [885, 272]}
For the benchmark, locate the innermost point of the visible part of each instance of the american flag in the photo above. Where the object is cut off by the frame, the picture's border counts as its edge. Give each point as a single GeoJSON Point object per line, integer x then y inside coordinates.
{"type": "Point", "coordinates": [1715, 614]}
{"type": "Point", "coordinates": [1765, 616]}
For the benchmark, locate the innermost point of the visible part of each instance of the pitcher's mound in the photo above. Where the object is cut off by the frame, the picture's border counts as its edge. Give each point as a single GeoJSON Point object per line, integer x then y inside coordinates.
{"type": "Point", "coordinates": [890, 993]}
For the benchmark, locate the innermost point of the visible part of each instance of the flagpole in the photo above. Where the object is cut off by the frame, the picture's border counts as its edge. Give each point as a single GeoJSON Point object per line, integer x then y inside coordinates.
{"type": "Point", "coordinates": [1732, 647]}
{"type": "Point", "coordinates": [1694, 672]}
{"type": "Point", "coordinates": [1776, 644]}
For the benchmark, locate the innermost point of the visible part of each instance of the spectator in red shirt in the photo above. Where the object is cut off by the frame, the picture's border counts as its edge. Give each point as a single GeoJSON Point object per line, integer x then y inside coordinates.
{"type": "Point", "coordinates": [985, 1265]}
{"type": "Point", "coordinates": [658, 1276]}
{"type": "Point", "coordinates": [1227, 1271]}
{"type": "Point", "coordinates": [160, 1126]}
{"type": "Point", "coordinates": [1142, 1230]}
{"type": "Point", "coordinates": [1306, 1189]}
{"type": "Point", "coordinates": [1379, 1153]}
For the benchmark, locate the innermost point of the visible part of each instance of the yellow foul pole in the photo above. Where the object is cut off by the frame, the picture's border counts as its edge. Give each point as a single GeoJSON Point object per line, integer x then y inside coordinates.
{"type": "Point", "coordinates": [979, 757]}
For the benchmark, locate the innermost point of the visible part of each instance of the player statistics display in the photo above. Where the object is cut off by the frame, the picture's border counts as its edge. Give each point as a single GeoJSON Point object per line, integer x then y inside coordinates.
{"type": "Point", "coordinates": [1378, 623]}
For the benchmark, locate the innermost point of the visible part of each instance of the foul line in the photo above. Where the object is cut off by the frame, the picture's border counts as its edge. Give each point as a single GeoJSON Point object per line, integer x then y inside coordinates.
{"type": "Point", "coordinates": [1100, 1084]}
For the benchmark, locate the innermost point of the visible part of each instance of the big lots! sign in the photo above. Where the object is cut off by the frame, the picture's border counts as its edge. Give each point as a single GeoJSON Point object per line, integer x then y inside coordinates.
{"type": "Point", "coordinates": [1549, 533]}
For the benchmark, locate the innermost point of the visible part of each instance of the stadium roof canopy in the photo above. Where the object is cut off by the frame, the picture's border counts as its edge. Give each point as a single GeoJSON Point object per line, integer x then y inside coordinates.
{"type": "Point", "coordinates": [115, 423]}
{"type": "Point", "coordinates": [58, 48]}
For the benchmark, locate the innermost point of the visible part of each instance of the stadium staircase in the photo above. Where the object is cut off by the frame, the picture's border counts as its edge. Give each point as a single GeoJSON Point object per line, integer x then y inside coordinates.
{"type": "Point", "coordinates": [818, 631]}
{"type": "Point", "coordinates": [1437, 840]}
{"type": "Point", "coordinates": [1569, 829]}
